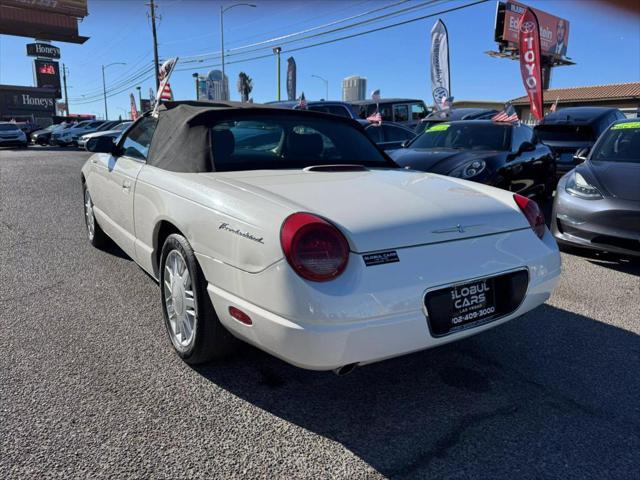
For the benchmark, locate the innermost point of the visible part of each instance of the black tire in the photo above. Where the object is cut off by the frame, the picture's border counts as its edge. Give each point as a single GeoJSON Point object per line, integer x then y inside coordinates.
{"type": "Point", "coordinates": [97, 238]}
{"type": "Point", "coordinates": [209, 339]}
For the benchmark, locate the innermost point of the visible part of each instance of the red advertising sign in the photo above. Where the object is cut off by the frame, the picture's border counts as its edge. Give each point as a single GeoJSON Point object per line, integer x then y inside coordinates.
{"type": "Point", "coordinates": [530, 57]}
{"type": "Point", "coordinates": [134, 109]}
{"type": "Point", "coordinates": [554, 31]}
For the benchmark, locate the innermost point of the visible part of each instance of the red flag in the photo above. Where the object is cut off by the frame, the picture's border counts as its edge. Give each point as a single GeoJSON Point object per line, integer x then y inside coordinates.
{"type": "Point", "coordinates": [530, 68]}
{"type": "Point", "coordinates": [134, 109]}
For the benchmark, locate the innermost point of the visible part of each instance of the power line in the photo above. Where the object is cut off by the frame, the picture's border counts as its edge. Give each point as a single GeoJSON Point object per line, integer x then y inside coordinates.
{"type": "Point", "coordinates": [318, 27]}
{"type": "Point", "coordinates": [354, 35]}
{"type": "Point", "coordinates": [325, 42]}
{"type": "Point", "coordinates": [97, 93]}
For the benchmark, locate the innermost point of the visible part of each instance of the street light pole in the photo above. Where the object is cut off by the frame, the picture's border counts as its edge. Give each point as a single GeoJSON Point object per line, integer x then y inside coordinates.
{"type": "Point", "coordinates": [195, 78]}
{"type": "Point", "coordinates": [326, 85]}
{"type": "Point", "coordinates": [104, 87]}
{"type": "Point", "coordinates": [225, 86]}
{"type": "Point", "coordinates": [276, 51]}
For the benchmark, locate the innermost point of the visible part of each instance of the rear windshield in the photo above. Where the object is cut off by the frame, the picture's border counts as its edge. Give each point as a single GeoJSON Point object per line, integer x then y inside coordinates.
{"type": "Point", "coordinates": [566, 133]}
{"type": "Point", "coordinates": [466, 136]}
{"type": "Point", "coordinates": [333, 109]}
{"type": "Point", "coordinates": [5, 127]}
{"type": "Point", "coordinates": [286, 142]}
{"type": "Point", "coordinates": [621, 143]}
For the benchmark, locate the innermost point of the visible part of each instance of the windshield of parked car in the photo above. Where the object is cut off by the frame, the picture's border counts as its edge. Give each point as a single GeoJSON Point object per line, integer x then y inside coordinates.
{"type": "Point", "coordinates": [121, 127]}
{"type": "Point", "coordinates": [5, 127]}
{"type": "Point", "coordinates": [275, 142]}
{"type": "Point", "coordinates": [621, 143]}
{"type": "Point", "coordinates": [472, 135]}
{"type": "Point", "coordinates": [565, 133]}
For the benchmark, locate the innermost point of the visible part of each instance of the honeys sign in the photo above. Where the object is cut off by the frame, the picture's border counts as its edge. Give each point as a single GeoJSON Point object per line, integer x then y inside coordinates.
{"type": "Point", "coordinates": [42, 50]}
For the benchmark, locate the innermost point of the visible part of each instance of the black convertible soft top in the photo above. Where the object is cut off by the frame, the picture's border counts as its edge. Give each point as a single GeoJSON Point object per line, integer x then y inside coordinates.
{"type": "Point", "coordinates": [184, 142]}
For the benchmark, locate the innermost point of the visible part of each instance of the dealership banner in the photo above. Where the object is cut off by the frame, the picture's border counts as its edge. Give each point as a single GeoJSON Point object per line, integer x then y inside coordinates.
{"type": "Point", "coordinates": [134, 109]}
{"type": "Point", "coordinates": [530, 57]}
{"type": "Point", "coordinates": [554, 31]}
{"type": "Point", "coordinates": [440, 78]}
{"type": "Point", "coordinates": [291, 79]}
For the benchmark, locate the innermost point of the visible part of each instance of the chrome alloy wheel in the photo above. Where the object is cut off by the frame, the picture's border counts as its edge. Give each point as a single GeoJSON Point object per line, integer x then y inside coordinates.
{"type": "Point", "coordinates": [88, 214]}
{"type": "Point", "coordinates": [179, 301]}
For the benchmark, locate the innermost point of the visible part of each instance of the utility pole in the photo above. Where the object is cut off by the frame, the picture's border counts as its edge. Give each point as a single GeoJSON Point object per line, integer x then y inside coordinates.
{"type": "Point", "coordinates": [139, 97]}
{"type": "Point", "coordinates": [64, 80]}
{"type": "Point", "coordinates": [155, 41]}
{"type": "Point", "coordinates": [276, 51]}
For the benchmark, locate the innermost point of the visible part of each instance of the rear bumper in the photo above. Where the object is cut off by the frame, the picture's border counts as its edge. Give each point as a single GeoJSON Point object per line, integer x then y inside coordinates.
{"type": "Point", "coordinates": [318, 347]}
{"type": "Point", "coordinates": [352, 334]}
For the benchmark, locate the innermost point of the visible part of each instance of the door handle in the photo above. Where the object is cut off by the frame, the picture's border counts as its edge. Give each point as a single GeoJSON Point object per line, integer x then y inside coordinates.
{"type": "Point", "coordinates": [126, 185]}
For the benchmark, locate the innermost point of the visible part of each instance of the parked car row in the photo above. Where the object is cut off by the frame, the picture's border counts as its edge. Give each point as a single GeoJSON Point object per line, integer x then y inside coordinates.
{"type": "Point", "coordinates": [73, 134]}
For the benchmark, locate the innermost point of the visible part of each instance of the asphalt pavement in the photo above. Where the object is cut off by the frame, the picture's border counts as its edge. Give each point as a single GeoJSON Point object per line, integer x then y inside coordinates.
{"type": "Point", "coordinates": [90, 387]}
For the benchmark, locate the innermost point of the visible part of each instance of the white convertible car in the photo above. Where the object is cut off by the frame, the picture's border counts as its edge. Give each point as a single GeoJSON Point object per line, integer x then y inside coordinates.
{"type": "Point", "coordinates": [292, 231]}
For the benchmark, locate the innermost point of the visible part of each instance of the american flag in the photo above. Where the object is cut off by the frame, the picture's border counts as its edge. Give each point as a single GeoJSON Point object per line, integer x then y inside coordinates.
{"type": "Point", "coordinates": [375, 95]}
{"type": "Point", "coordinates": [166, 94]}
{"type": "Point", "coordinates": [508, 114]}
{"type": "Point", "coordinates": [375, 118]}
{"type": "Point", "coordinates": [302, 103]}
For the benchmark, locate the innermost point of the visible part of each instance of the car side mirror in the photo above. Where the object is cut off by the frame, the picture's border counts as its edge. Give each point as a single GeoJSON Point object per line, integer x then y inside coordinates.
{"type": "Point", "coordinates": [526, 147]}
{"type": "Point", "coordinates": [101, 145]}
{"type": "Point", "coordinates": [581, 155]}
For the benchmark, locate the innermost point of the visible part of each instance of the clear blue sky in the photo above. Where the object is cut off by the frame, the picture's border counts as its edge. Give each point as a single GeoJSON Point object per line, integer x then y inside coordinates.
{"type": "Point", "coordinates": [604, 42]}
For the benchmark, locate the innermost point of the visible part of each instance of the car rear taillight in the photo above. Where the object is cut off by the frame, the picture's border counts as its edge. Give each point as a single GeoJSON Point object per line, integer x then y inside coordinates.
{"type": "Point", "coordinates": [314, 248]}
{"type": "Point", "coordinates": [533, 213]}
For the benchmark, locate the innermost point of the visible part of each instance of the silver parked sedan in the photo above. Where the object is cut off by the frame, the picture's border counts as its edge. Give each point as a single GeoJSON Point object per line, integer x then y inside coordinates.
{"type": "Point", "coordinates": [597, 204]}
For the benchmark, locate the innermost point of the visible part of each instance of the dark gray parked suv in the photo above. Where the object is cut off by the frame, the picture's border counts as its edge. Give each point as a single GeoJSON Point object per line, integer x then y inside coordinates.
{"type": "Point", "coordinates": [570, 129]}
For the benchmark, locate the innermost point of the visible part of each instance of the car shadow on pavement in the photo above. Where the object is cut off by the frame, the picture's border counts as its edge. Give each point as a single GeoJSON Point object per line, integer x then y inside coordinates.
{"type": "Point", "coordinates": [552, 394]}
{"type": "Point", "coordinates": [53, 148]}
{"type": "Point", "coordinates": [612, 261]}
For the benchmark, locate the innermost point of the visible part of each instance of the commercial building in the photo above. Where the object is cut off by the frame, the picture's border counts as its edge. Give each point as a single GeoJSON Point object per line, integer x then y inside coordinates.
{"type": "Point", "coordinates": [37, 105]}
{"type": "Point", "coordinates": [354, 88]}
{"type": "Point", "coordinates": [217, 89]}
{"type": "Point", "coordinates": [625, 96]}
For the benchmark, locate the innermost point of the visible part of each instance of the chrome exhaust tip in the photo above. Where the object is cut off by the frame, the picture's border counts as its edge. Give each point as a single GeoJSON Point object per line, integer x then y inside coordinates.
{"type": "Point", "coordinates": [345, 369]}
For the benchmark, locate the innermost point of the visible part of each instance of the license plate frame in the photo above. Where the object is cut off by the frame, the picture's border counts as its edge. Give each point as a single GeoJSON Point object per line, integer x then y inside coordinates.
{"type": "Point", "coordinates": [503, 293]}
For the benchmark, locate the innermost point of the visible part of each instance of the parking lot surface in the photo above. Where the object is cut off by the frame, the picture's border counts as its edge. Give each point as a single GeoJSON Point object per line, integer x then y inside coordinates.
{"type": "Point", "coordinates": [90, 386]}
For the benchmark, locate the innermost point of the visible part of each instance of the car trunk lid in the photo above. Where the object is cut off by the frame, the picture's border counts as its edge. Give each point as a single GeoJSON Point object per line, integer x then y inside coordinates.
{"type": "Point", "coordinates": [387, 208]}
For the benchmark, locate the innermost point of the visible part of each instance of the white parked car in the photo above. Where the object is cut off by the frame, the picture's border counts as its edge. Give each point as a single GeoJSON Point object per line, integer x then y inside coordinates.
{"type": "Point", "coordinates": [113, 132]}
{"type": "Point", "coordinates": [69, 136]}
{"type": "Point", "coordinates": [292, 231]}
{"type": "Point", "coordinates": [12, 136]}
